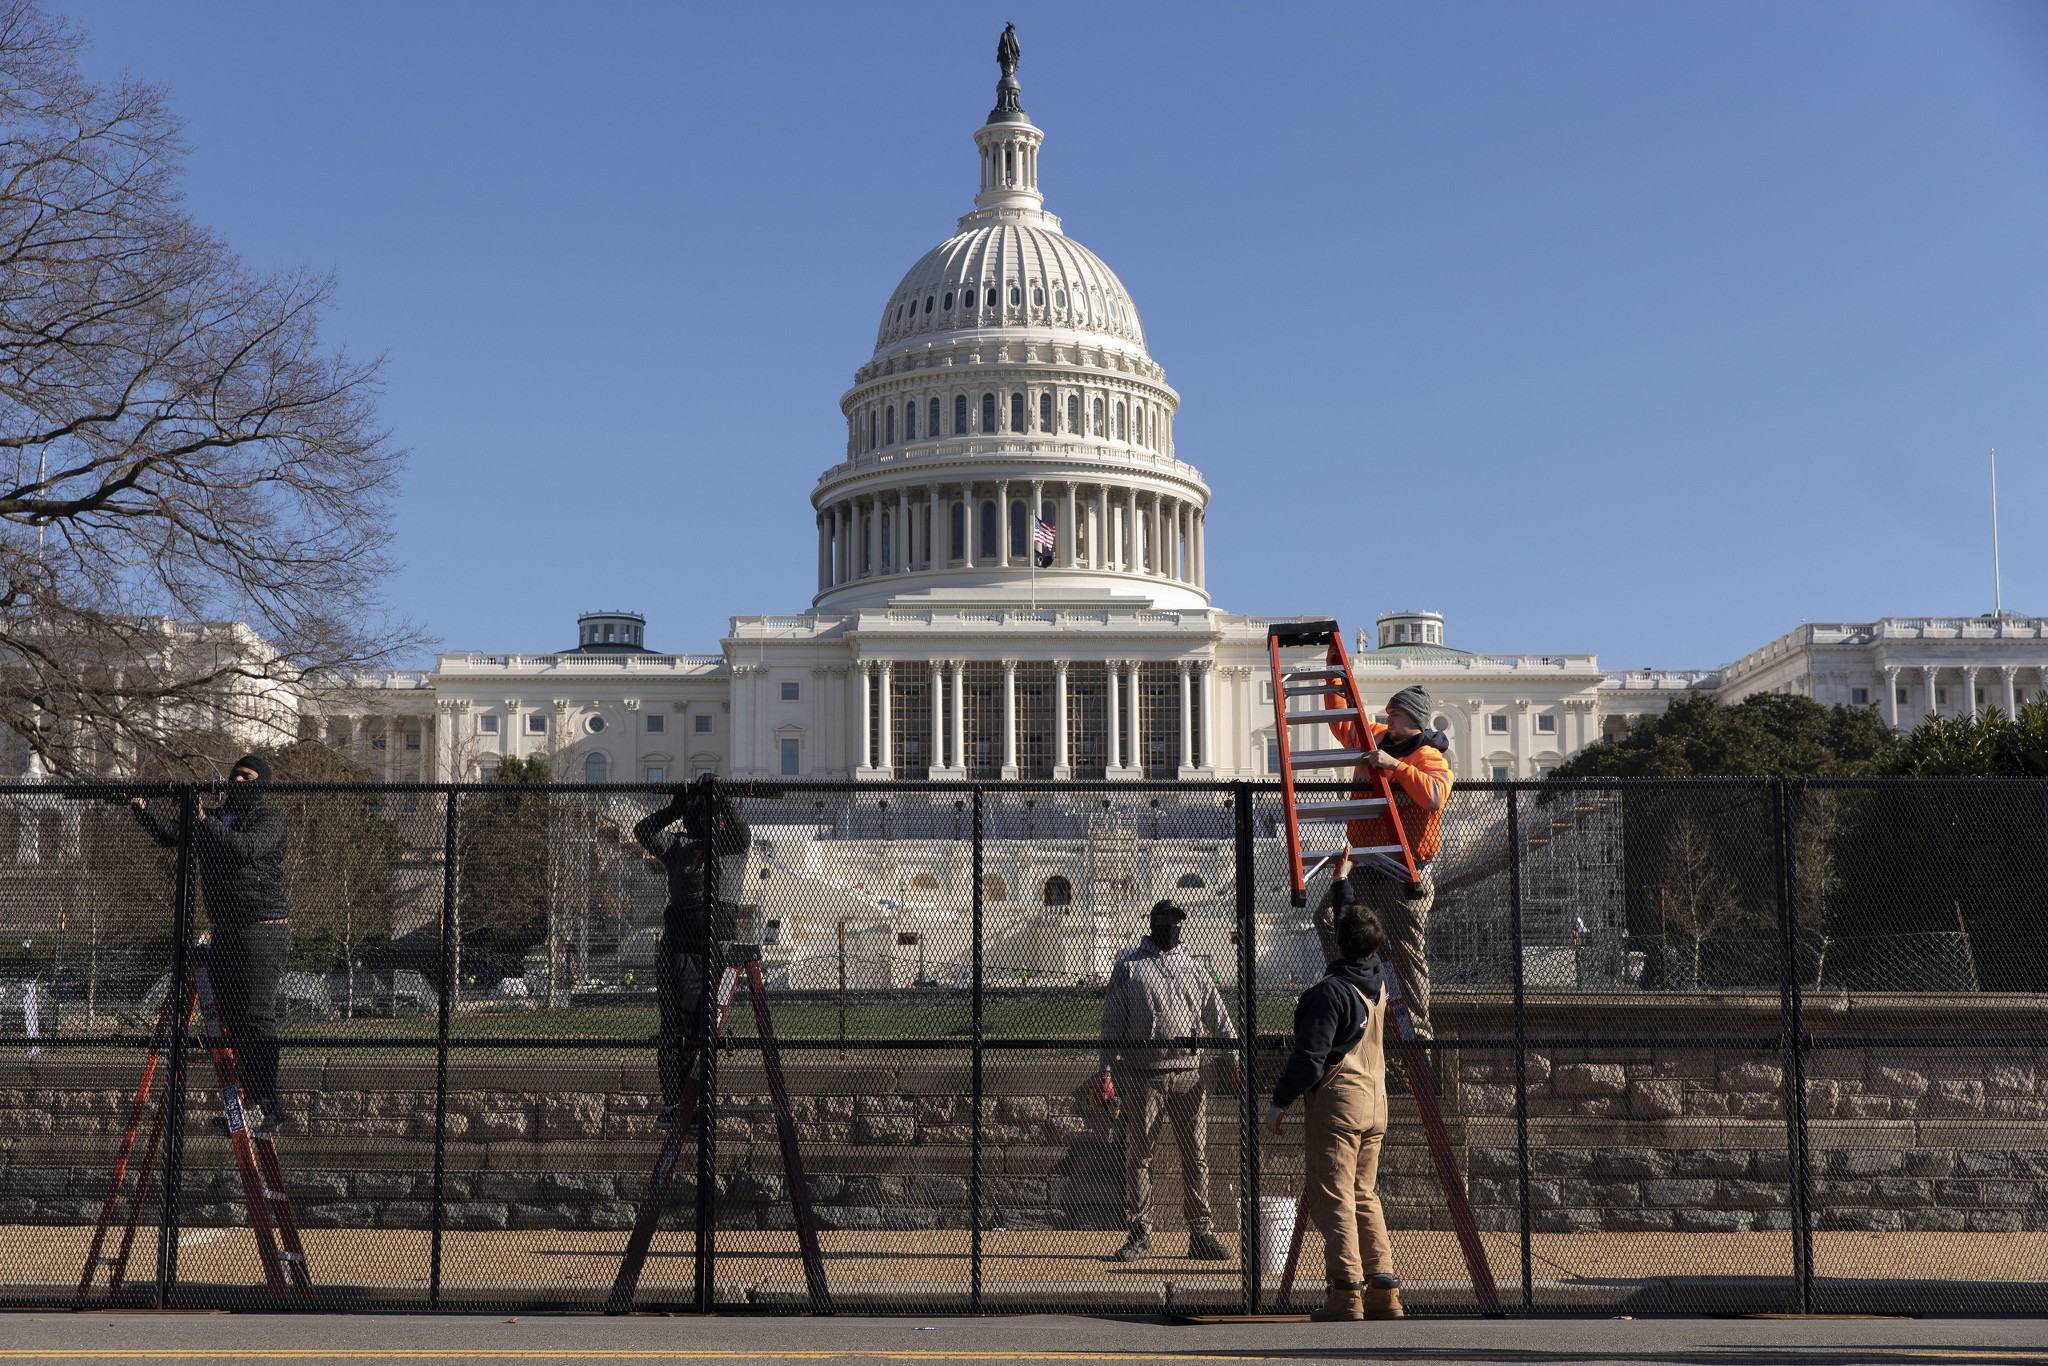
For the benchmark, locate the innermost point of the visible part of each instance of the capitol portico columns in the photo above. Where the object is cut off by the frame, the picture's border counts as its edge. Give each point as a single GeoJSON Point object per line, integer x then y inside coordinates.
{"type": "Point", "coordinates": [886, 760]}
{"type": "Point", "coordinates": [866, 710]}
{"type": "Point", "coordinates": [2006, 678]}
{"type": "Point", "coordinates": [1115, 758]}
{"type": "Point", "coordinates": [1009, 719]}
{"type": "Point", "coordinates": [1187, 718]}
{"type": "Point", "coordinates": [1062, 761]}
{"type": "Point", "coordinates": [1928, 673]}
{"type": "Point", "coordinates": [1891, 695]}
{"type": "Point", "coordinates": [1970, 689]}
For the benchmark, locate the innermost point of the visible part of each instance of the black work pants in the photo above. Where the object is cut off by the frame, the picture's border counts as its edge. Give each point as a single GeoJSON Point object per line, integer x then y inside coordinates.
{"type": "Point", "coordinates": [679, 993]}
{"type": "Point", "coordinates": [247, 963]}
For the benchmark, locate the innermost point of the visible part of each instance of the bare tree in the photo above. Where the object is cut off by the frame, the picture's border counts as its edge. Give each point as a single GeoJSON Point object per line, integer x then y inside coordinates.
{"type": "Point", "coordinates": [1696, 897]}
{"type": "Point", "coordinates": [178, 453]}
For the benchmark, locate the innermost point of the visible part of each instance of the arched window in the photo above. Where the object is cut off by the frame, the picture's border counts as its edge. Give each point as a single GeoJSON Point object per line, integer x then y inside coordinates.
{"type": "Point", "coordinates": [1016, 412]}
{"type": "Point", "coordinates": [596, 768]}
{"type": "Point", "coordinates": [1122, 431]}
{"type": "Point", "coordinates": [932, 414]}
{"type": "Point", "coordinates": [889, 426]}
{"type": "Point", "coordinates": [910, 420]}
{"type": "Point", "coordinates": [1095, 422]}
{"type": "Point", "coordinates": [866, 561]}
{"type": "Point", "coordinates": [887, 527]}
{"type": "Point", "coordinates": [1045, 412]}
{"type": "Point", "coordinates": [1020, 533]}
{"type": "Point", "coordinates": [959, 414]}
{"type": "Point", "coordinates": [924, 882]}
{"type": "Point", "coordinates": [988, 530]}
{"type": "Point", "coordinates": [1058, 891]}
{"type": "Point", "coordinates": [1073, 412]}
{"type": "Point", "coordinates": [988, 412]}
{"type": "Point", "coordinates": [871, 429]}
{"type": "Point", "coordinates": [1037, 298]}
{"type": "Point", "coordinates": [1191, 880]}
{"type": "Point", "coordinates": [995, 296]}
{"type": "Point", "coordinates": [899, 313]}
{"type": "Point", "coordinates": [1059, 298]}
{"type": "Point", "coordinates": [993, 888]}
{"type": "Point", "coordinates": [959, 550]}
{"type": "Point", "coordinates": [928, 302]}
{"type": "Point", "coordinates": [949, 299]}
{"type": "Point", "coordinates": [1016, 297]}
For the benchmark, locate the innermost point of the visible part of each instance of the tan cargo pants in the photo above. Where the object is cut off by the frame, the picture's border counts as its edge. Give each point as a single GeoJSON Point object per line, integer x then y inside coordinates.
{"type": "Point", "coordinates": [1153, 1100]}
{"type": "Point", "coordinates": [1347, 1125]}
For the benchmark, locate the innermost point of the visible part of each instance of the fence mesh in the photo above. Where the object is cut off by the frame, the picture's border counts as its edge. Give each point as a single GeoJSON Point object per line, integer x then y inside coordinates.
{"type": "Point", "coordinates": [1699, 1047]}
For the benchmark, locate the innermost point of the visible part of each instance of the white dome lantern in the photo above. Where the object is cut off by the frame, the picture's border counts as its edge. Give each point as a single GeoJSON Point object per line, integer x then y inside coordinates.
{"type": "Point", "coordinates": [1011, 438]}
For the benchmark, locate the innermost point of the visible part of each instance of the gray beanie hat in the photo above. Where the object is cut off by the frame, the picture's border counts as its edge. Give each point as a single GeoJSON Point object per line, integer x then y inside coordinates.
{"type": "Point", "coordinates": [1415, 701]}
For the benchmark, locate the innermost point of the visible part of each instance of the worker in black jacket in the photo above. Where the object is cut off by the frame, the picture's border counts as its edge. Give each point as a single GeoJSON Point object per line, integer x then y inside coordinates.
{"type": "Point", "coordinates": [238, 848]}
{"type": "Point", "coordinates": [1339, 1063]}
{"type": "Point", "coordinates": [706, 861]}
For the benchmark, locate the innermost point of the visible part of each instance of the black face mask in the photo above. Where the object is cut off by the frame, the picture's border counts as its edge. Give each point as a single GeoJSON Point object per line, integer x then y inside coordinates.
{"type": "Point", "coordinates": [1166, 936]}
{"type": "Point", "coordinates": [241, 795]}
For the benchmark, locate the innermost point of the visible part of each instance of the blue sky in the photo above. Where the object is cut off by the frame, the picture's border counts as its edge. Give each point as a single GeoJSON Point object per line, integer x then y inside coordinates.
{"type": "Point", "coordinates": [1650, 330]}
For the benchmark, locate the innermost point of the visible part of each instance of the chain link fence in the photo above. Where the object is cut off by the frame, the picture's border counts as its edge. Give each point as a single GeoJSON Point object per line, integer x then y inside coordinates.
{"type": "Point", "coordinates": [1708, 1046]}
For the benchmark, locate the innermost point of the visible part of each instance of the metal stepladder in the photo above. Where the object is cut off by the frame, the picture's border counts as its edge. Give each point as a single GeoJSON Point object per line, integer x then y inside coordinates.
{"type": "Point", "coordinates": [271, 1217]}
{"type": "Point", "coordinates": [1376, 838]}
{"type": "Point", "coordinates": [739, 960]}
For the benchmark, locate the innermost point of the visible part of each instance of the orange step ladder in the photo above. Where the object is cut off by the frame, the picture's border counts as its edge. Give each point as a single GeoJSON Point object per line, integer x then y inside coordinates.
{"type": "Point", "coordinates": [1377, 841]}
{"type": "Point", "coordinates": [271, 1217]}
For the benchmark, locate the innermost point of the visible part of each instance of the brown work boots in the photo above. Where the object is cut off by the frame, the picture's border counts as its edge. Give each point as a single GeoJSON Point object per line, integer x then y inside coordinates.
{"type": "Point", "coordinates": [1376, 1297]}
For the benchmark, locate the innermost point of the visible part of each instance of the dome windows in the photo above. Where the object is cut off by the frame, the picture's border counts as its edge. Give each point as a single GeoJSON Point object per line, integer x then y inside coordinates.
{"type": "Point", "coordinates": [1073, 412]}
{"type": "Point", "coordinates": [1059, 298]}
{"type": "Point", "coordinates": [1016, 412]}
{"type": "Point", "coordinates": [1016, 296]}
{"type": "Point", "coordinates": [931, 425]}
{"type": "Point", "coordinates": [959, 414]}
{"type": "Point", "coordinates": [928, 302]}
{"type": "Point", "coordinates": [1045, 412]}
{"type": "Point", "coordinates": [889, 426]}
{"type": "Point", "coordinates": [910, 420]}
{"type": "Point", "coordinates": [987, 548]}
{"type": "Point", "coordinates": [988, 412]}
{"type": "Point", "coordinates": [959, 539]}
{"type": "Point", "coordinates": [1122, 431]}
{"type": "Point", "coordinates": [949, 298]}
{"type": "Point", "coordinates": [994, 296]}
{"type": "Point", "coordinates": [1095, 419]}
{"type": "Point", "coordinates": [1038, 296]}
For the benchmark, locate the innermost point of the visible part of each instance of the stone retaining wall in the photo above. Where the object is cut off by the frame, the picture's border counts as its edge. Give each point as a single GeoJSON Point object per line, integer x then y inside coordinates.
{"type": "Point", "coordinates": [1666, 1136]}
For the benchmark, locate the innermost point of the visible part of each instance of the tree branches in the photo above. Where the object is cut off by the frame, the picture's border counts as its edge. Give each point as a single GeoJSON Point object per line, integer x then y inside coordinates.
{"type": "Point", "coordinates": [176, 447]}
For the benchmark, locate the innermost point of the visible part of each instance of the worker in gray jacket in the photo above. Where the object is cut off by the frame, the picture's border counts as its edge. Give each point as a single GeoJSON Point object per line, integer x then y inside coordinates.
{"type": "Point", "coordinates": [1158, 992]}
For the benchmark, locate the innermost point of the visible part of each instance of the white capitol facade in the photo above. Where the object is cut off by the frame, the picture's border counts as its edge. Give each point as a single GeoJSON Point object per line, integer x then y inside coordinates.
{"type": "Point", "coordinates": [1010, 383]}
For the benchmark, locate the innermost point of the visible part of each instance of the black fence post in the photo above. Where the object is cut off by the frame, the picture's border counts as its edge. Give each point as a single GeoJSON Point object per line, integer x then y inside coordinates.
{"type": "Point", "coordinates": [174, 1081]}
{"type": "Point", "coordinates": [1249, 1135]}
{"type": "Point", "coordinates": [1517, 969]}
{"type": "Point", "coordinates": [974, 1217]}
{"type": "Point", "coordinates": [1792, 1028]}
{"type": "Point", "coordinates": [447, 987]}
{"type": "Point", "coordinates": [711, 979]}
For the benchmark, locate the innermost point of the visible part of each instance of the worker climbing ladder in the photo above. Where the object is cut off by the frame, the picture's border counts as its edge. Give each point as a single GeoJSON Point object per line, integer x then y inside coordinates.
{"type": "Point", "coordinates": [1377, 840]}
{"type": "Point", "coordinates": [271, 1217]}
{"type": "Point", "coordinates": [741, 960]}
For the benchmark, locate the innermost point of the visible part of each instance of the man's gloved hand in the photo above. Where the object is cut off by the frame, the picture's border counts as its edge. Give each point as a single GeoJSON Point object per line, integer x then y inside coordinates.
{"type": "Point", "coordinates": [1236, 1080]}
{"type": "Point", "coordinates": [1273, 1118]}
{"type": "Point", "coordinates": [1104, 1098]}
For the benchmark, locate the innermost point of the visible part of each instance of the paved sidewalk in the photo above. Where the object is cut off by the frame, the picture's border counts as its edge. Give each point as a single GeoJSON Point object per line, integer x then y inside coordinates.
{"type": "Point", "coordinates": [488, 1340]}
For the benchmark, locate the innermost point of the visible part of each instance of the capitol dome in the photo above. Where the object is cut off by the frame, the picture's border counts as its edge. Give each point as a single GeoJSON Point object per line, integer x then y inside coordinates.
{"type": "Point", "coordinates": [1011, 438]}
{"type": "Point", "coordinates": [1010, 275]}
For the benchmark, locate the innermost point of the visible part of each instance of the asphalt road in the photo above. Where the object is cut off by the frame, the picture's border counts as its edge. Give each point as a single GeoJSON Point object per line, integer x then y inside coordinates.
{"type": "Point", "coordinates": [488, 1339]}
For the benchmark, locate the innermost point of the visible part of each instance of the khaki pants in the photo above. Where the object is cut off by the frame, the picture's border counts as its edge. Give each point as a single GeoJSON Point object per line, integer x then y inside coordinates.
{"type": "Point", "coordinates": [1406, 923]}
{"type": "Point", "coordinates": [1343, 1196]}
{"type": "Point", "coordinates": [1152, 1099]}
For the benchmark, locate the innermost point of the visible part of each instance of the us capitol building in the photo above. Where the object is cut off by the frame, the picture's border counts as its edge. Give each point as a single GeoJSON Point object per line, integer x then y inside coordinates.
{"type": "Point", "coordinates": [1011, 401]}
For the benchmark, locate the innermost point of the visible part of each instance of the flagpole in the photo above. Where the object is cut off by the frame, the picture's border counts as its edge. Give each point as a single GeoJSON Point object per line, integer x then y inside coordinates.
{"type": "Point", "coordinates": [1997, 588]}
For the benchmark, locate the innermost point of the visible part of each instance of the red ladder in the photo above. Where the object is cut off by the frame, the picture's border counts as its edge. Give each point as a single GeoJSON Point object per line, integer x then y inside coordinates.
{"type": "Point", "coordinates": [271, 1217]}
{"type": "Point", "coordinates": [1371, 821]}
{"type": "Point", "coordinates": [627, 1283]}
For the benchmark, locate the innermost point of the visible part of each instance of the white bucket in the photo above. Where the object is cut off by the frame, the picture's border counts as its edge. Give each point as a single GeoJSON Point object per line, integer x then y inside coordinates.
{"type": "Point", "coordinates": [1276, 1231]}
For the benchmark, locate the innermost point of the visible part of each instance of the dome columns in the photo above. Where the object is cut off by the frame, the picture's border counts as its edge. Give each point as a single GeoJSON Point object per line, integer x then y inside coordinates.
{"type": "Point", "coordinates": [965, 530]}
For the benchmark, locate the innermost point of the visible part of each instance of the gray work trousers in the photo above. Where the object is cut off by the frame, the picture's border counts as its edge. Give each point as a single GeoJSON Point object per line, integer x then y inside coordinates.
{"type": "Point", "coordinates": [1151, 1100]}
{"type": "Point", "coordinates": [1406, 923]}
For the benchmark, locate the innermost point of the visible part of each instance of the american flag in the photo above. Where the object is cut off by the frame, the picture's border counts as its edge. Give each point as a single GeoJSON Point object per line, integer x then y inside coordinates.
{"type": "Point", "coordinates": [1042, 534]}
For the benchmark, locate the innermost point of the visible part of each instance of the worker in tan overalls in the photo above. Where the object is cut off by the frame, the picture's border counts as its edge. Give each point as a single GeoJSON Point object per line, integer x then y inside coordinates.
{"type": "Point", "coordinates": [1339, 1062]}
